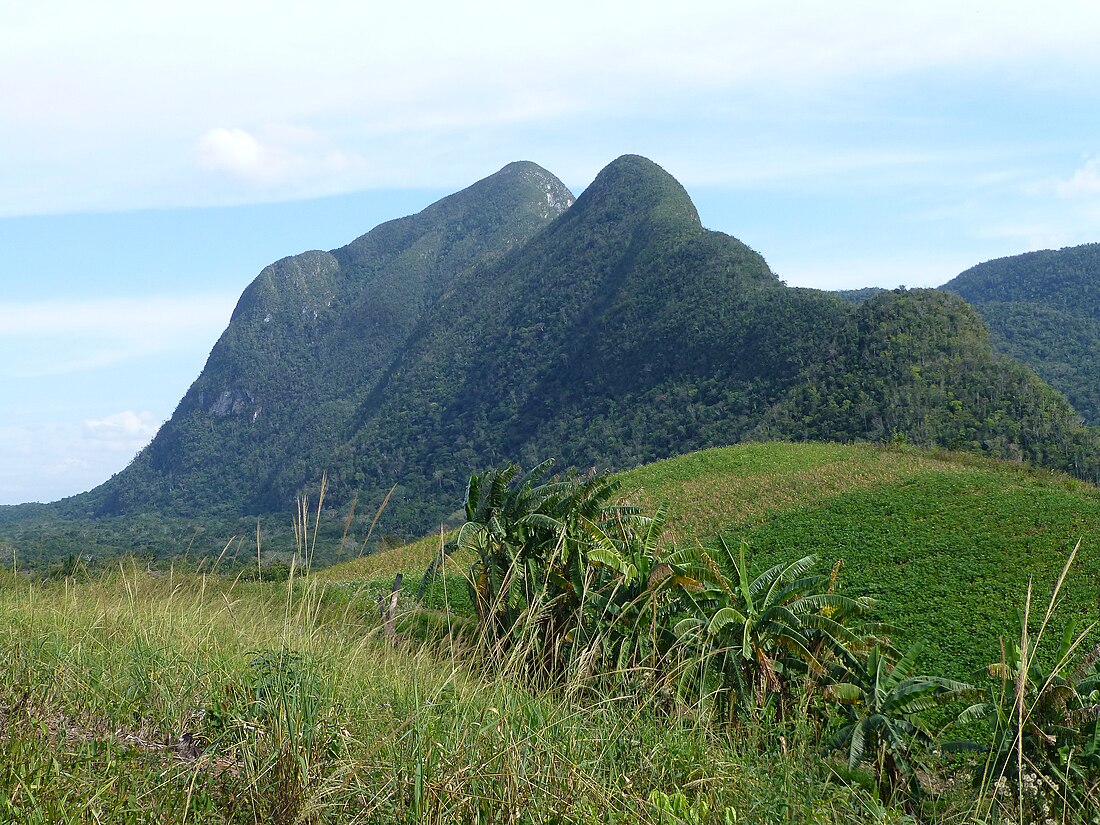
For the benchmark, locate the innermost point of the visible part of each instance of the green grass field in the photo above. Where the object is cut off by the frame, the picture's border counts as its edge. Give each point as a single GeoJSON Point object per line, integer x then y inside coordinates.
{"type": "Point", "coordinates": [945, 542]}
{"type": "Point", "coordinates": [140, 695]}
{"type": "Point", "coordinates": [146, 697]}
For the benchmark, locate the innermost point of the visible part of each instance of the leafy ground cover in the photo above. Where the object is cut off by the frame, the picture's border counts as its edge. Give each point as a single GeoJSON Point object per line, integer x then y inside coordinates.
{"type": "Point", "coordinates": [142, 696]}
{"type": "Point", "coordinates": [944, 543]}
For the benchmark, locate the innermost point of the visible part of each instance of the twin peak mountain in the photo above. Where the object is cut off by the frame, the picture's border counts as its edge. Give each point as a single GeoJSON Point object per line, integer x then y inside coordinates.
{"type": "Point", "coordinates": [512, 322]}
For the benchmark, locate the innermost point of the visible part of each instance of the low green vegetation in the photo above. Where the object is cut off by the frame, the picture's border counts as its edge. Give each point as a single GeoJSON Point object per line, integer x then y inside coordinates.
{"type": "Point", "coordinates": [571, 588]}
{"type": "Point", "coordinates": [944, 543]}
{"type": "Point", "coordinates": [677, 644]}
{"type": "Point", "coordinates": [140, 696]}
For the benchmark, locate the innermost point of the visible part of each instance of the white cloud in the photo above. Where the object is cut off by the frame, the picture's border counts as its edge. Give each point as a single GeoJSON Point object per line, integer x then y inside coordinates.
{"type": "Point", "coordinates": [48, 458]}
{"type": "Point", "coordinates": [113, 107]}
{"type": "Point", "coordinates": [1084, 183]}
{"type": "Point", "coordinates": [126, 431]}
{"type": "Point", "coordinates": [234, 151]}
{"type": "Point", "coordinates": [73, 364]}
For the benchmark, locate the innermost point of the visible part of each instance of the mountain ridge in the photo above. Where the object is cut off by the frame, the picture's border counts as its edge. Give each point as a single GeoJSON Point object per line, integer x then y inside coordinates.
{"type": "Point", "coordinates": [512, 322]}
{"type": "Point", "coordinates": [1043, 308]}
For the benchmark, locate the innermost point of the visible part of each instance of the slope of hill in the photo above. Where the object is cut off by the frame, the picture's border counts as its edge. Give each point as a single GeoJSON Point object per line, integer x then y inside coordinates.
{"type": "Point", "coordinates": [857, 296]}
{"type": "Point", "coordinates": [625, 332]}
{"type": "Point", "coordinates": [945, 542]}
{"type": "Point", "coordinates": [1043, 308]}
{"type": "Point", "coordinates": [507, 323]}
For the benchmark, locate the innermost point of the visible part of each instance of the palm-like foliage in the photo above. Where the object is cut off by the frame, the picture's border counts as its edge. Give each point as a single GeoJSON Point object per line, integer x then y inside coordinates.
{"type": "Point", "coordinates": [531, 535]}
{"type": "Point", "coordinates": [1044, 728]}
{"type": "Point", "coordinates": [633, 597]}
{"type": "Point", "coordinates": [880, 705]}
{"type": "Point", "coordinates": [754, 634]}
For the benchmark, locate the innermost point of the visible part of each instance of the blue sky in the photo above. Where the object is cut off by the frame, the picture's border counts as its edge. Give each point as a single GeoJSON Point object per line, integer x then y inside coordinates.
{"type": "Point", "coordinates": [155, 157]}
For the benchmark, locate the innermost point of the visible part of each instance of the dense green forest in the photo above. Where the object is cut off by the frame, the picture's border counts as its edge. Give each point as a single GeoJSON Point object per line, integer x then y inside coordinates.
{"type": "Point", "coordinates": [507, 322]}
{"type": "Point", "coordinates": [1043, 308]}
{"type": "Point", "coordinates": [917, 365]}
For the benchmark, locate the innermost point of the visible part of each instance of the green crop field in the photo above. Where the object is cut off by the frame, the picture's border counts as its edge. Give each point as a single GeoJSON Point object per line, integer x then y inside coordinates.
{"type": "Point", "coordinates": [946, 544]}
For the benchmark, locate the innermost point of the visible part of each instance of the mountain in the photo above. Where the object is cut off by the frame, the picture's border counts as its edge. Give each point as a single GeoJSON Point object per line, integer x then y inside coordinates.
{"type": "Point", "coordinates": [308, 342]}
{"type": "Point", "coordinates": [918, 366]}
{"type": "Point", "coordinates": [508, 323]}
{"type": "Point", "coordinates": [857, 296]}
{"type": "Point", "coordinates": [622, 333]}
{"type": "Point", "coordinates": [1043, 308]}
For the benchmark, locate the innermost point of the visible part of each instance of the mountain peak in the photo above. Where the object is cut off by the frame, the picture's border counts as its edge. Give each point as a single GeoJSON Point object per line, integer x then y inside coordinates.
{"type": "Point", "coordinates": [525, 175]}
{"type": "Point", "coordinates": [502, 323]}
{"type": "Point", "coordinates": [632, 184]}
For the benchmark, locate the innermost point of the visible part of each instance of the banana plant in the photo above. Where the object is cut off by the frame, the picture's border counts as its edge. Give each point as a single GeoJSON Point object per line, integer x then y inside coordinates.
{"type": "Point", "coordinates": [1043, 723]}
{"type": "Point", "coordinates": [531, 535]}
{"type": "Point", "coordinates": [754, 635]}
{"type": "Point", "coordinates": [633, 594]}
{"type": "Point", "coordinates": [880, 704]}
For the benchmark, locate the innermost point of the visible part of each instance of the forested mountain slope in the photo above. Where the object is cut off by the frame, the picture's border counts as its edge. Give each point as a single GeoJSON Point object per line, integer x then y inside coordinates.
{"type": "Point", "coordinates": [309, 340]}
{"type": "Point", "coordinates": [507, 323]}
{"type": "Point", "coordinates": [623, 333]}
{"type": "Point", "coordinates": [1043, 308]}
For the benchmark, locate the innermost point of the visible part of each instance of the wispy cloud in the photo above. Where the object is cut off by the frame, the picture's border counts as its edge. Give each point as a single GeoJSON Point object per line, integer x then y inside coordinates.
{"type": "Point", "coordinates": [47, 460]}
{"type": "Point", "coordinates": [126, 431]}
{"type": "Point", "coordinates": [387, 98]}
{"type": "Point", "coordinates": [61, 337]}
{"type": "Point", "coordinates": [280, 156]}
{"type": "Point", "coordinates": [1085, 182]}
{"type": "Point", "coordinates": [75, 368]}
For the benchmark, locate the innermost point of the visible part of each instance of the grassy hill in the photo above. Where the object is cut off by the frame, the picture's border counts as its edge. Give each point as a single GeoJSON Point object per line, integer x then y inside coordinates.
{"type": "Point", "coordinates": [139, 695]}
{"type": "Point", "coordinates": [945, 542]}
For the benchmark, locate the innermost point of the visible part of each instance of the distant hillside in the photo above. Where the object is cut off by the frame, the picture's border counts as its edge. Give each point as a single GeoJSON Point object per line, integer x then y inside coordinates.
{"type": "Point", "coordinates": [508, 323]}
{"type": "Point", "coordinates": [623, 333]}
{"type": "Point", "coordinates": [917, 366]}
{"type": "Point", "coordinates": [1043, 308]}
